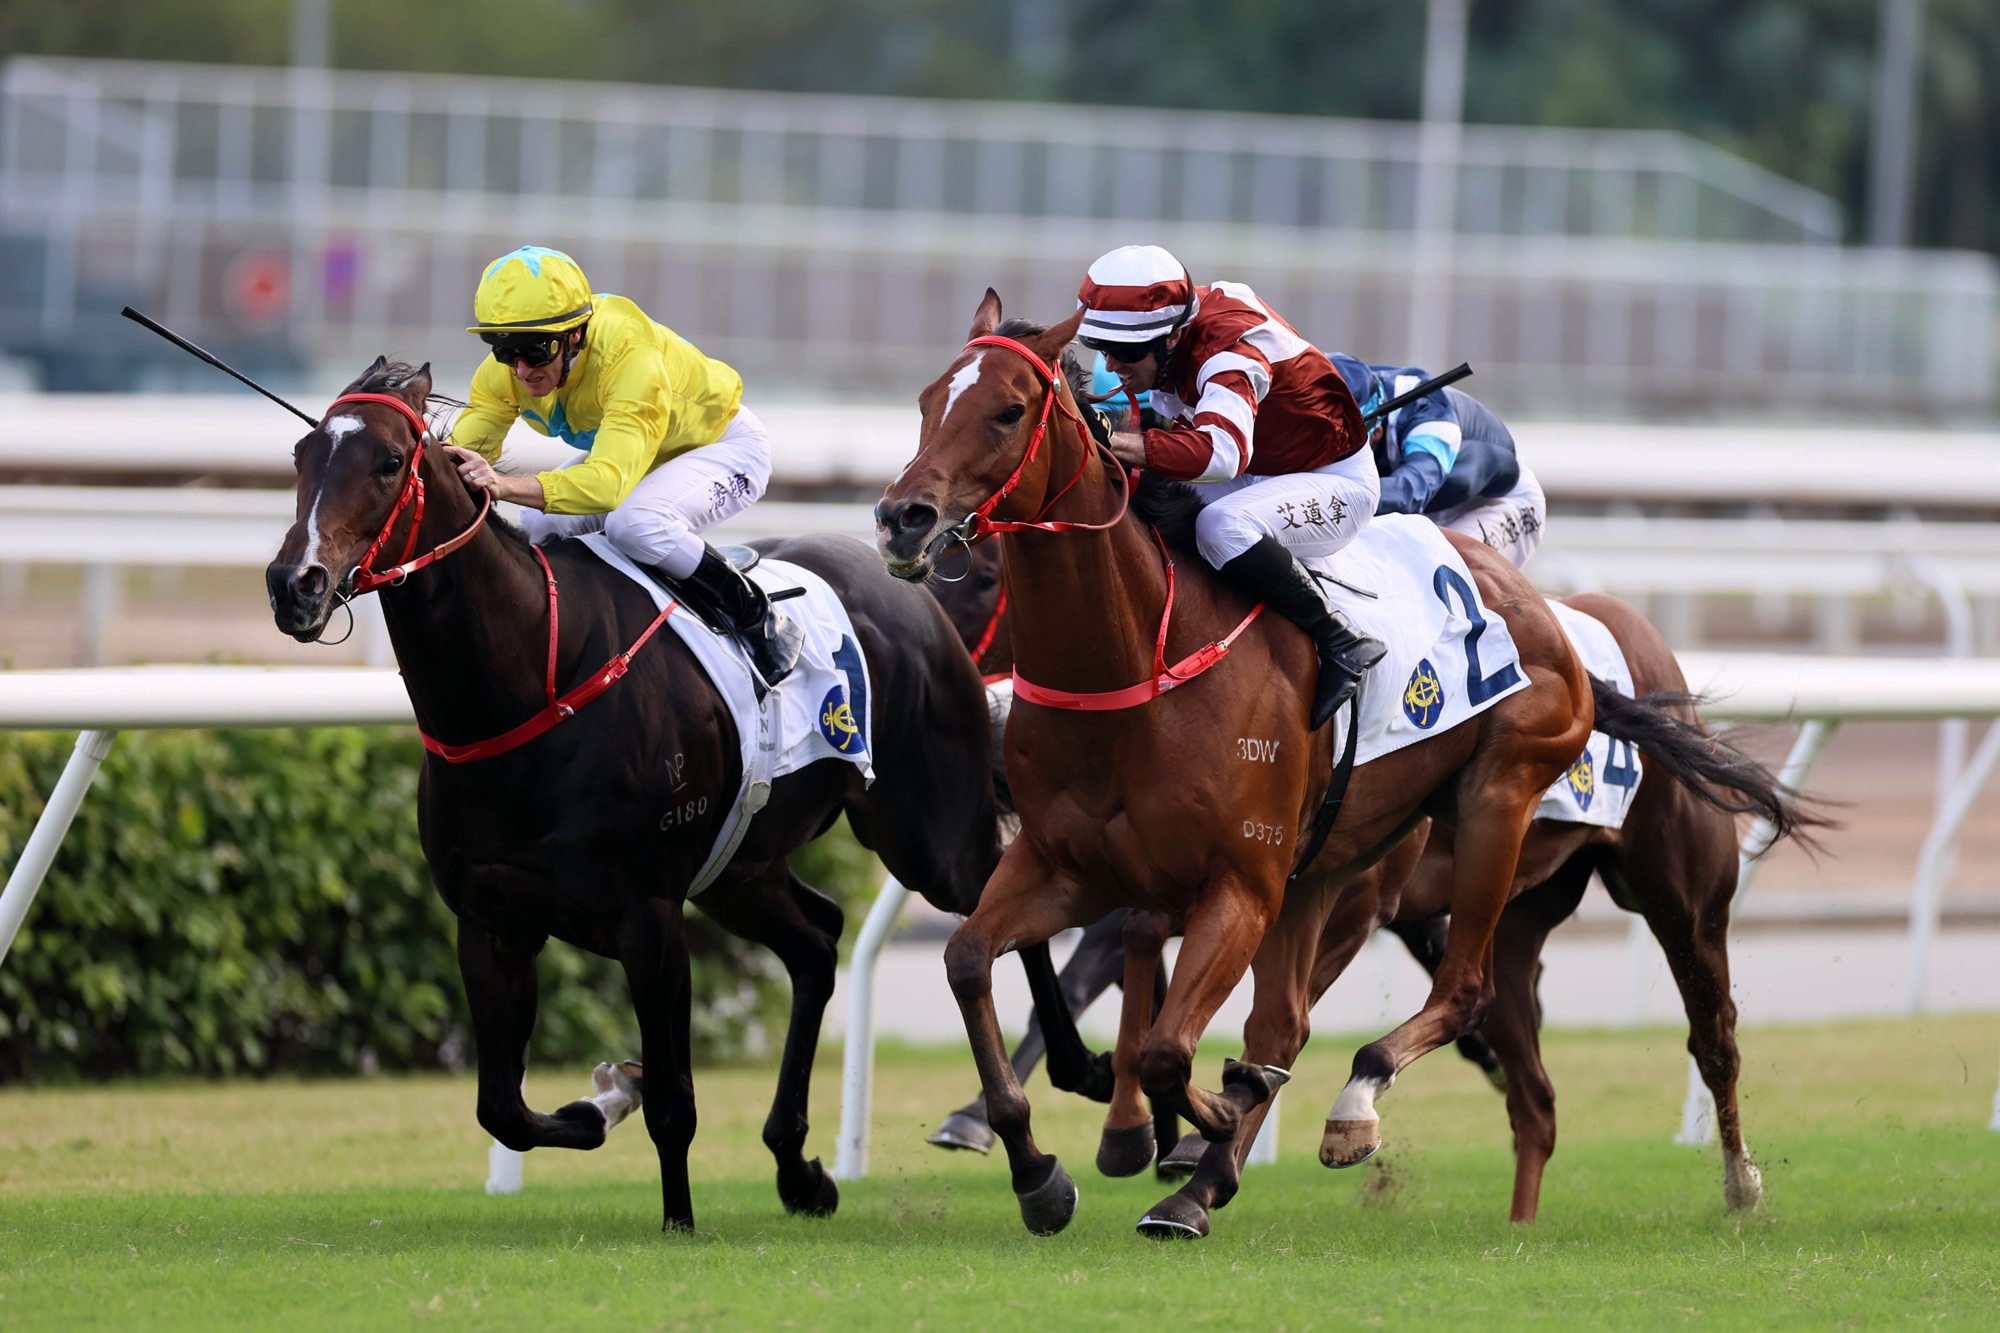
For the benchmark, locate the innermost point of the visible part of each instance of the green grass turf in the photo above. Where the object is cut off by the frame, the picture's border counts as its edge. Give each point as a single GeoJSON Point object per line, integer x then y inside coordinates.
{"type": "Point", "coordinates": [307, 1205]}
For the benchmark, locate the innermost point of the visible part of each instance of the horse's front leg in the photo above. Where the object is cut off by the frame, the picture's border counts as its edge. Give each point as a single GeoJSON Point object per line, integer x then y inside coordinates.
{"type": "Point", "coordinates": [1223, 933]}
{"type": "Point", "coordinates": [499, 975]}
{"type": "Point", "coordinates": [652, 945]}
{"type": "Point", "coordinates": [1016, 908]}
{"type": "Point", "coordinates": [1130, 1141]}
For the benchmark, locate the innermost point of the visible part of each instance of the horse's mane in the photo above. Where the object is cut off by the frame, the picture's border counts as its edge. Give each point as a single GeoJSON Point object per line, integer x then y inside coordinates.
{"type": "Point", "coordinates": [1168, 505]}
{"type": "Point", "coordinates": [385, 377]}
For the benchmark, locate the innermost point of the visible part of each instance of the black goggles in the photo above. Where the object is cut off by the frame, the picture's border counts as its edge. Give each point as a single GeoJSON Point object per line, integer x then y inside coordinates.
{"type": "Point", "coordinates": [1124, 353]}
{"type": "Point", "coordinates": [537, 349]}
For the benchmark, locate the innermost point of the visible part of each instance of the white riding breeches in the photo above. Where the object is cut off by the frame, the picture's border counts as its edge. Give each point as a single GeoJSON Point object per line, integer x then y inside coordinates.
{"type": "Point", "coordinates": [1511, 524]}
{"type": "Point", "coordinates": [660, 521]}
{"type": "Point", "coordinates": [1312, 513]}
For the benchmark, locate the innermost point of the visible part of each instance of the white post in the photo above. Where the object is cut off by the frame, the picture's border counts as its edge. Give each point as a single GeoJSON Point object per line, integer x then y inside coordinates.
{"type": "Point", "coordinates": [503, 1169]}
{"type": "Point", "coordinates": [857, 1074]}
{"type": "Point", "coordinates": [1437, 184]}
{"type": "Point", "coordinates": [1814, 736]}
{"type": "Point", "coordinates": [1891, 168]}
{"type": "Point", "coordinates": [1935, 862]}
{"type": "Point", "coordinates": [1697, 1113]}
{"type": "Point", "coordinates": [26, 880]}
{"type": "Point", "coordinates": [1994, 1123]}
{"type": "Point", "coordinates": [1264, 1149]}
{"type": "Point", "coordinates": [503, 1164]}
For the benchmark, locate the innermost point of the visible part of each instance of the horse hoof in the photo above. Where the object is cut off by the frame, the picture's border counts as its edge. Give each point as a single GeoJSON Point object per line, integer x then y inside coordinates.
{"type": "Point", "coordinates": [1742, 1185]}
{"type": "Point", "coordinates": [820, 1197]}
{"type": "Point", "coordinates": [1175, 1217]}
{"type": "Point", "coordinates": [1349, 1142]}
{"type": "Point", "coordinates": [1127, 1152]}
{"type": "Point", "coordinates": [963, 1132]}
{"type": "Point", "coordinates": [1181, 1162]}
{"type": "Point", "coordinates": [1048, 1207]}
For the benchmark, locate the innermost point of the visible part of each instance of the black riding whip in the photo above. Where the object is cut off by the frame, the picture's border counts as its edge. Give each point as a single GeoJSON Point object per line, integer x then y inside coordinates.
{"type": "Point", "coordinates": [1429, 386]}
{"type": "Point", "coordinates": [213, 360]}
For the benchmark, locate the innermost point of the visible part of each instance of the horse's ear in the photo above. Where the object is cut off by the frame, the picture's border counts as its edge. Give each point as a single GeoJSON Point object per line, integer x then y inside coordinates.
{"type": "Point", "coordinates": [1049, 345]}
{"type": "Point", "coordinates": [362, 378]}
{"type": "Point", "coordinates": [987, 317]}
{"type": "Point", "coordinates": [418, 387]}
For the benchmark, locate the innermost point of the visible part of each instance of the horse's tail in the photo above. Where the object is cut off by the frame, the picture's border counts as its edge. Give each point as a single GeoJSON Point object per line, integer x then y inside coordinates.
{"type": "Point", "coordinates": [1716, 772]}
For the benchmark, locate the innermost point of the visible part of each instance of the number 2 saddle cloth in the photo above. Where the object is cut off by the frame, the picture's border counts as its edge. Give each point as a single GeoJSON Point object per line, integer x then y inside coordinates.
{"type": "Point", "coordinates": [1450, 659]}
{"type": "Point", "coordinates": [821, 711]}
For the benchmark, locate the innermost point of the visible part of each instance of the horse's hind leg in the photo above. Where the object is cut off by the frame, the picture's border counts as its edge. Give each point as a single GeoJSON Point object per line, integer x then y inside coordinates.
{"type": "Point", "coordinates": [499, 975]}
{"type": "Point", "coordinates": [802, 926]}
{"type": "Point", "coordinates": [1513, 1024]}
{"type": "Point", "coordinates": [652, 944]}
{"type": "Point", "coordinates": [1425, 941]}
{"type": "Point", "coordinates": [1684, 893]}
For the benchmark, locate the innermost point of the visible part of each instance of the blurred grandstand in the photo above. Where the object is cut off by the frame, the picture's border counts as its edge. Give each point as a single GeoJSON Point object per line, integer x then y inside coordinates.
{"type": "Point", "coordinates": [304, 220]}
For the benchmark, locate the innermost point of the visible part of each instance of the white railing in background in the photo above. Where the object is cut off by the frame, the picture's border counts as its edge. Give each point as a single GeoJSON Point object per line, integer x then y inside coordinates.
{"type": "Point", "coordinates": [323, 217]}
{"type": "Point", "coordinates": [1674, 560]}
{"type": "Point", "coordinates": [1753, 688]}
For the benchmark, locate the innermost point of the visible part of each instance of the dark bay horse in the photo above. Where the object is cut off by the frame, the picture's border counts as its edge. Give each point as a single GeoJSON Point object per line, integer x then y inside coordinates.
{"type": "Point", "coordinates": [592, 831]}
{"type": "Point", "coordinates": [1144, 808]}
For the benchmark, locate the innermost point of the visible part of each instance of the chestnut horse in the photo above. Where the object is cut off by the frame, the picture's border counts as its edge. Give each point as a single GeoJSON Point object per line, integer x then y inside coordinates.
{"type": "Point", "coordinates": [1141, 807]}
{"type": "Point", "coordinates": [593, 830]}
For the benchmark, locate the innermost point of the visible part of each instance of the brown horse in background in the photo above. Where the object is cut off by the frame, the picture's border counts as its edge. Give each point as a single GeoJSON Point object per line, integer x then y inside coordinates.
{"type": "Point", "coordinates": [1142, 807]}
{"type": "Point", "coordinates": [1674, 862]}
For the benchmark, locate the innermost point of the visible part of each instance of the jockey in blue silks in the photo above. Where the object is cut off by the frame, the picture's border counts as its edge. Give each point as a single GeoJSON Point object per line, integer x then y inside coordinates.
{"type": "Point", "coordinates": [1447, 456]}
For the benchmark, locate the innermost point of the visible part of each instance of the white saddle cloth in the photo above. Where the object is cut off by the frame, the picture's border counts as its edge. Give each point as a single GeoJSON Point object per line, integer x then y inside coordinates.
{"type": "Point", "coordinates": [1449, 658]}
{"type": "Point", "coordinates": [1600, 785]}
{"type": "Point", "coordinates": [820, 711]}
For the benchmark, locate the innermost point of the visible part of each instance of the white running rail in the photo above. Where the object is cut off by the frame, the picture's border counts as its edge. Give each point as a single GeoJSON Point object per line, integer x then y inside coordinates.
{"type": "Point", "coordinates": [1750, 688]}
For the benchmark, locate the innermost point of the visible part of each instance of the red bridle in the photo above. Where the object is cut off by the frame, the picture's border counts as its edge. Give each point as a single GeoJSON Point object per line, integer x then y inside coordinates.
{"type": "Point", "coordinates": [1164, 677]}
{"type": "Point", "coordinates": [978, 524]}
{"type": "Point", "coordinates": [555, 710]}
{"type": "Point", "coordinates": [366, 579]}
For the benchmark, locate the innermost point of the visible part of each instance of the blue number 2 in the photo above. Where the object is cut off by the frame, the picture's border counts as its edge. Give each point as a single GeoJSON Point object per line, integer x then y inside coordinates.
{"type": "Point", "coordinates": [1478, 688]}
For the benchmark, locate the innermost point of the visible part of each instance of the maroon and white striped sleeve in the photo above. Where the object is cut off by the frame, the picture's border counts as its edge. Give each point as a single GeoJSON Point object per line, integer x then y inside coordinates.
{"type": "Point", "coordinates": [1216, 444]}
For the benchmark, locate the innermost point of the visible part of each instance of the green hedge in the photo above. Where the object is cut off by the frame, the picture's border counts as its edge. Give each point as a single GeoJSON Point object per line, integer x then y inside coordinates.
{"type": "Point", "coordinates": [251, 901]}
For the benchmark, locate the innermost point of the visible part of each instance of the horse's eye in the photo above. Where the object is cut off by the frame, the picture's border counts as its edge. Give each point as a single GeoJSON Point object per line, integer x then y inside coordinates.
{"type": "Point", "coordinates": [1011, 415]}
{"type": "Point", "coordinates": [392, 464]}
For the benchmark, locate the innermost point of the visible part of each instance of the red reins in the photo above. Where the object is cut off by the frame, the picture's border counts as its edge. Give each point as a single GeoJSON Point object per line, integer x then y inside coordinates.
{"type": "Point", "coordinates": [555, 710]}
{"type": "Point", "coordinates": [366, 579]}
{"type": "Point", "coordinates": [1164, 677]}
{"type": "Point", "coordinates": [978, 524]}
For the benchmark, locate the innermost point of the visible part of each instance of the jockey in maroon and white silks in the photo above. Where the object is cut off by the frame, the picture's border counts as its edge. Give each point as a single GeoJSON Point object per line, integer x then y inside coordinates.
{"type": "Point", "coordinates": [1259, 422]}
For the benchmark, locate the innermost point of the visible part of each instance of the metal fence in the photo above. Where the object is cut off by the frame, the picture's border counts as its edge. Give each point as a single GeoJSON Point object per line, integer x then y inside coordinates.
{"type": "Point", "coordinates": [314, 218]}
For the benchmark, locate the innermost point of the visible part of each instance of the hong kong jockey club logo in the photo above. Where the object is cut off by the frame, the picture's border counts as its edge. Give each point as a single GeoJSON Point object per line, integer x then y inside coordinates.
{"type": "Point", "coordinates": [1423, 697]}
{"type": "Point", "coordinates": [836, 721]}
{"type": "Point", "coordinates": [1582, 779]}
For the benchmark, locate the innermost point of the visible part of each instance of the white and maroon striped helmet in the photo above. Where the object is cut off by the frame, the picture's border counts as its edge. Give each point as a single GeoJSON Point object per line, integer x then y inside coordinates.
{"type": "Point", "coordinates": [1135, 294]}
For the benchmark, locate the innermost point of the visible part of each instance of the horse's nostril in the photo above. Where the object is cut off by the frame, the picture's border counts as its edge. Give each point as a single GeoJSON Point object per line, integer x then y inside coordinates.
{"type": "Point", "coordinates": [916, 518]}
{"type": "Point", "coordinates": [311, 582]}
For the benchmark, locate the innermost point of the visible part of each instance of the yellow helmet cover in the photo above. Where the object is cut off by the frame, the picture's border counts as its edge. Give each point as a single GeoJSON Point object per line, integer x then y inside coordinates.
{"type": "Point", "coordinates": [531, 290]}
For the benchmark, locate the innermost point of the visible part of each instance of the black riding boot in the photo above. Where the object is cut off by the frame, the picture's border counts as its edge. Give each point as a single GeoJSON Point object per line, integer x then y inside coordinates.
{"type": "Point", "coordinates": [729, 602]}
{"type": "Point", "coordinates": [1273, 575]}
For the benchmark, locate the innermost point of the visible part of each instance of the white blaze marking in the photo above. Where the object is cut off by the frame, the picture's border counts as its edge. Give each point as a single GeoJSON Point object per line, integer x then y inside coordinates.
{"type": "Point", "coordinates": [338, 429]}
{"type": "Point", "coordinates": [967, 376]}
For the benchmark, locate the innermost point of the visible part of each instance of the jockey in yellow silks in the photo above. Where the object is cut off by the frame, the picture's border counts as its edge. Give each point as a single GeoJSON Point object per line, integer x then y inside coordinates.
{"type": "Point", "coordinates": [670, 450]}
